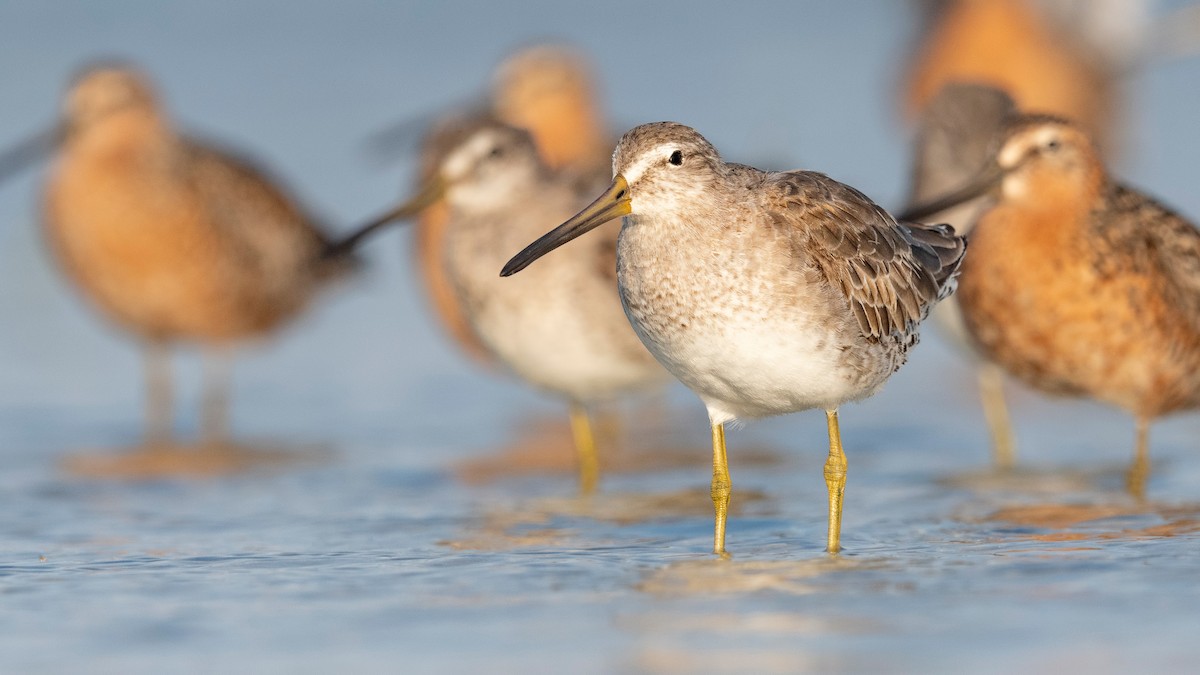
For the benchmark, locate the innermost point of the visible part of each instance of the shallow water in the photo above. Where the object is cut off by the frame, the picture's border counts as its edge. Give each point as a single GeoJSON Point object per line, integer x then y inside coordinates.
{"type": "Point", "coordinates": [429, 518]}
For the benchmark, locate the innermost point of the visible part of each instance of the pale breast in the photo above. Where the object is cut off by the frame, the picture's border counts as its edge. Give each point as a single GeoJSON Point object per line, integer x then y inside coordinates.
{"type": "Point", "coordinates": [752, 329]}
{"type": "Point", "coordinates": [558, 324]}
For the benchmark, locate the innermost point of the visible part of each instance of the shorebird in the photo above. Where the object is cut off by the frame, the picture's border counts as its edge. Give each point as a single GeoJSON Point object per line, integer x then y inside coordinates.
{"type": "Point", "coordinates": [765, 293]}
{"type": "Point", "coordinates": [1057, 56]}
{"type": "Point", "coordinates": [549, 91]}
{"type": "Point", "coordinates": [560, 329]}
{"type": "Point", "coordinates": [171, 239]}
{"type": "Point", "coordinates": [954, 142]}
{"type": "Point", "coordinates": [1079, 285]}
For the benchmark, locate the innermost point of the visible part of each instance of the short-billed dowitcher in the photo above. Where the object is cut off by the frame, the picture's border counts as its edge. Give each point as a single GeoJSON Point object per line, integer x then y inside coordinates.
{"type": "Point", "coordinates": [561, 329]}
{"type": "Point", "coordinates": [1079, 285]}
{"type": "Point", "coordinates": [765, 293]}
{"type": "Point", "coordinates": [1056, 56]}
{"type": "Point", "coordinates": [173, 240]}
{"type": "Point", "coordinates": [548, 90]}
{"type": "Point", "coordinates": [953, 144]}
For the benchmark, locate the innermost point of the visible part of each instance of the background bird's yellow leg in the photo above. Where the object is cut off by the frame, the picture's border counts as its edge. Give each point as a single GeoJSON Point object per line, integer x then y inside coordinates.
{"type": "Point", "coordinates": [835, 480]}
{"type": "Point", "coordinates": [1139, 471]}
{"type": "Point", "coordinates": [214, 411]}
{"type": "Point", "coordinates": [995, 411]}
{"type": "Point", "coordinates": [159, 400]}
{"type": "Point", "coordinates": [585, 449]}
{"type": "Point", "coordinates": [721, 487]}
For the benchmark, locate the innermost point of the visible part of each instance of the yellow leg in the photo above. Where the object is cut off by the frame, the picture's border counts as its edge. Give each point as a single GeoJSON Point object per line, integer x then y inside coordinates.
{"type": "Point", "coordinates": [158, 395]}
{"type": "Point", "coordinates": [585, 449]}
{"type": "Point", "coordinates": [835, 480]}
{"type": "Point", "coordinates": [1139, 471]}
{"type": "Point", "coordinates": [721, 487]}
{"type": "Point", "coordinates": [995, 411]}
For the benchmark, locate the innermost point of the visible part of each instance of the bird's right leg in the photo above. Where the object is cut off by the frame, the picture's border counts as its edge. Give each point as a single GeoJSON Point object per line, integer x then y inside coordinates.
{"type": "Point", "coordinates": [835, 481]}
{"type": "Point", "coordinates": [995, 411]}
{"type": "Point", "coordinates": [1139, 471]}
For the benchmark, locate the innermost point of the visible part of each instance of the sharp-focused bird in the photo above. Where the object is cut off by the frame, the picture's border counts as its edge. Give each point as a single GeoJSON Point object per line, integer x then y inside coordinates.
{"type": "Point", "coordinates": [765, 293]}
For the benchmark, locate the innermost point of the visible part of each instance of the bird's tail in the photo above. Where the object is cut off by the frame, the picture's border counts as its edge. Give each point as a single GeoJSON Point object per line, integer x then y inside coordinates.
{"type": "Point", "coordinates": [940, 250]}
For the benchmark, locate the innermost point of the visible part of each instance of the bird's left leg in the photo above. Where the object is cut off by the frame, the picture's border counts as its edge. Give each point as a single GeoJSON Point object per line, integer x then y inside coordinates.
{"type": "Point", "coordinates": [214, 406]}
{"type": "Point", "coordinates": [835, 480]}
{"type": "Point", "coordinates": [585, 449]}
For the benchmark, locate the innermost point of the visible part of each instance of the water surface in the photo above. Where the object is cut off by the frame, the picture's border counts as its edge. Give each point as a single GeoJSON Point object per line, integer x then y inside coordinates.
{"type": "Point", "coordinates": [406, 539]}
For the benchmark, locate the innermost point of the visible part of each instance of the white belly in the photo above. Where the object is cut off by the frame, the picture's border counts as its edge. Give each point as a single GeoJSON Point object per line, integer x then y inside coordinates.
{"type": "Point", "coordinates": [555, 345]}
{"type": "Point", "coordinates": [553, 325]}
{"type": "Point", "coordinates": [752, 366]}
{"type": "Point", "coordinates": [747, 349]}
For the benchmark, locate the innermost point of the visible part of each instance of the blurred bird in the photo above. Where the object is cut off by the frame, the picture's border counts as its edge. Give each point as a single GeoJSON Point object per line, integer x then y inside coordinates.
{"type": "Point", "coordinates": [561, 329]}
{"type": "Point", "coordinates": [977, 63]}
{"type": "Point", "coordinates": [1079, 285]}
{"type": "Point", "coordinates": [173, 240]}
{"type": "Point", "coordinates": [765, 293]}
{"type": "Point", "coordinates": [547, 90]}
{"type": "Point", "coordinates": [955, 141]}
{"type": "Point", "coordinates": [1058, 56]}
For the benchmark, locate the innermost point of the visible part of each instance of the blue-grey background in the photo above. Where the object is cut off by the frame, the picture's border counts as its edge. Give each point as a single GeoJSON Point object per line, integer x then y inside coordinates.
{"type": "Point", "coordinates": [353, 563]}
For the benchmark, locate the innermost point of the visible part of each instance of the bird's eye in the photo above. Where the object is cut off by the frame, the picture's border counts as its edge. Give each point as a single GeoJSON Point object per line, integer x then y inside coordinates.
{"type": "Point", "coordinates": [676, 158]}
{"type": "Point", "coordinates": [497, 151]}
{"type": "Point", "coordinates": [1053, 144]}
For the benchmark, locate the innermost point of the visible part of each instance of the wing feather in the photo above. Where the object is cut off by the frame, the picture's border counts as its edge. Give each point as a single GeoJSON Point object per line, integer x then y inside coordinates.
{"type": "Point", "coordinates": [890, 273]}
{"type": "Point", "coordinates": [1132, 221]}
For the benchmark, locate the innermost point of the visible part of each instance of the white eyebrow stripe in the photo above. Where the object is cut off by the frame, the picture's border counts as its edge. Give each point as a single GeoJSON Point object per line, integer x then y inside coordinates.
{"type": "Point", "coordinates": [1010, 154]}
{"type": "Point", "coordinates": [645, 159]}
{"type": "Point", "coordinates": [460, 161]}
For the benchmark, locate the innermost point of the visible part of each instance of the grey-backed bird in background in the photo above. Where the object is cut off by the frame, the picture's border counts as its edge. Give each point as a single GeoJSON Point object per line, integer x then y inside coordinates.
{"type": "Point", "coordinates": [560, 328]}
{"type": "Point", "coordinates": [954, 143]}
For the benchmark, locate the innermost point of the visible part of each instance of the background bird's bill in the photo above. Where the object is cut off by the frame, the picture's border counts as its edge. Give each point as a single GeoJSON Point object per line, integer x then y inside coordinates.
{"type": "Point", "coordinates": [612, 204]}
{"type": "Point", "coordinates": [980, 185]}
{"type": "Point", "coordinates": [429, 194]}
{"type": "Point", "coordinates": [25, 153]}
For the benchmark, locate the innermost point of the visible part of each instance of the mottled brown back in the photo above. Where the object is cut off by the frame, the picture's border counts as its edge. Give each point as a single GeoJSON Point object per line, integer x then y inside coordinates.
{"type": "Point", "coordinates": [890, 273]}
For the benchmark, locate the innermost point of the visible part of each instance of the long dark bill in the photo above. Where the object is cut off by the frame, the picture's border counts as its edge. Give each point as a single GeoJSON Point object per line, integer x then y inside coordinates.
{"type": "Point", "coordinates": [429, 194]}
{"type": "Point", "coordinates": [612, 204]}
{"type": "Point", "coordinates": [979, 185]}
{"type": "Point", "coordinates": [33, 149]}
